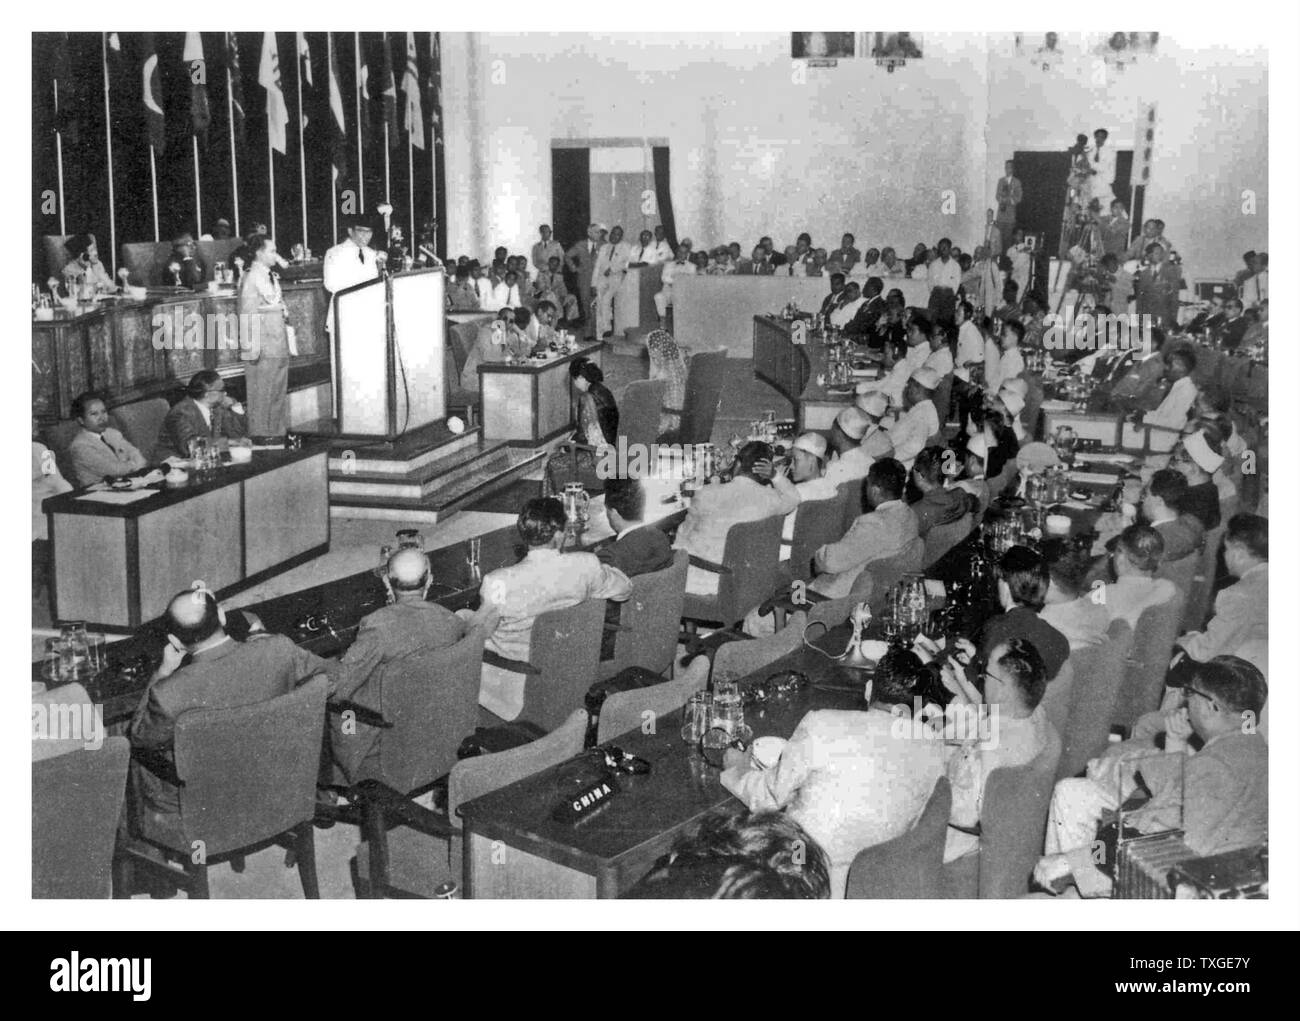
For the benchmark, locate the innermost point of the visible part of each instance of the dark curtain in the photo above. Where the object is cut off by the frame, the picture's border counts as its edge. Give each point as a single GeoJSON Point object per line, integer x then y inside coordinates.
{"type": "Point", "coordinates": [663, 195]}
{"type": "Point", "coordinates": [570, 194]}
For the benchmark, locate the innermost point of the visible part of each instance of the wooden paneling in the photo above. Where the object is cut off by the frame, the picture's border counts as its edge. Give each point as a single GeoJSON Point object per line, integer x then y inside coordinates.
{"type": "Point", "coordinates": [555, 405]}
{"type": "Point", "coordinates": [196, 540]}
{"type": "Point", "coordinates": [286, 512]}
{"type": "Point", "coordinates": [507, 405]}
{"type": "Point", "coordinates": [495, 871]}
{"type": "Point", "coordinates": [90, 568]}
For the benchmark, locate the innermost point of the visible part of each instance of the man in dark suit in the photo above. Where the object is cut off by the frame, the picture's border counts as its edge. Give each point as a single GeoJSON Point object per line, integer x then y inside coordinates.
{"type": "Point", "coordinates": [862, 327]}
{"type": "Point", "coordinates": [185, 268]}
{"type": "Point", "coordinates": [221, 673]}
{"type": "Point", "coordinates": [580, 260]}
{"type": "Point", "coordinates": [833, 300]}
{"type": "Point", "coordinates": [638, 548]}
{"type": "Point", "coordinates": [205, 411]}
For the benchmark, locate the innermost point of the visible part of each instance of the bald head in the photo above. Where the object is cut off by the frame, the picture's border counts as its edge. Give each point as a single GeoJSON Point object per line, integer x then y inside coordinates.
{"type": "Point", "coordinates": [194, 617]}
{"type": "Point", "coordinates": [408, 570]}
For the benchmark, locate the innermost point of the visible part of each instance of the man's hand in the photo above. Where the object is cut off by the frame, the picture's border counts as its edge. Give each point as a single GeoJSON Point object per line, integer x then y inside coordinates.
{"type": "Point", "coordinates": [173, 653]}
{"type": "Point", "coordinates": [963, 651]}
{"type": "Point", "coordinates": [762, 468]}
{"type": "Point", "coordinates": [1178, 730]}
{"type": "Point", "coordinates": [735, 759]}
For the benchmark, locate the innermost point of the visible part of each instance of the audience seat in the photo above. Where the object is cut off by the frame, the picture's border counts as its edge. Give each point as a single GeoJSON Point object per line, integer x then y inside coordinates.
{"type": "Point", "coordinates": [748, 574]}
{"type": "Point", "coordinates": [736, 660]}
{"type": "Point", "coordinates": [941, 538]}
{"type": "Point", "coordinates": [879, 576]}
{"type": "Point", "coordinates": [1059, 697]}
{"type": "Point", "coordinates": [247, 778]}
{"type": "Point", "coordinates": [624, 711]}
{"type": "Point", "coordinates": [1098, 673]}
{"type": "Point", "coordinates": [909, 867]}
{"type": "Point", "coordinates": [648, 621]}
{"type": "Point", "coordinates": [77, 800]}
{"type": "Point", "coordinates": [141, 422]}
{"type": "Point", "coordinates": [1147, 664]}
{"type": "Point", "coordinates": [704, 379]}
{"type": "Point", "coordinates": [639, 409]}
{"type": "Point", "coordinates": [1012, 830]}
{"type": "Point", "coordinates": [816, 523]}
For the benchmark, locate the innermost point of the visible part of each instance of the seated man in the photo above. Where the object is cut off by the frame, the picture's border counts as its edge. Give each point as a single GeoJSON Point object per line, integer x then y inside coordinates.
{"type": "Point", "coordinates": [408, 624]}
{"type": "Point", "coordinates": [1070, 605]}
{"type": "Point", "coordinates": [754, 493]}
{"type": "Point", "coordinates": [838, 295]}
{"type": "Point", "coordinates": [808, 472]}
{"type": "Point", "coordinates": [461, 293]}
{"type": "Point", "coordinates": [507, 293]}
{"type": "Point", "coordinates": [1023, 579]}
{"type": "Point", "coordinates": [974, 473]}
{"type": "Point", "coordinates": [98, 450]}
{"type": "Point", "coordinates": [1240, 610]}
{"type": "Point", "coordinates": [1197, 456]}
{"type": "Point", "coordinates": [1182, 534]}
{"type": "Point", "coordinates": [844, 258]}
{"type": "Point", "coordinates": [496, 341]}
{"type": "Point", "coordinates": [859, 439]}
{"type": "Point", "coordinates": [938, 505]}
{"type": "Point", "coordinates": [204, 411]}
{"type": "Point", "coordinates": [1015, 681]}
{"type": "Point", "coordinates": [851, 300]}
{"type": "Point", "coordinates": [852, 779]}
{"type": "Point", "coordinates": [637, 548]}
{"type": "Point", "coordinates": [862, 326]}
{"type": "Point", "coordinates": [739, 856]}
{"type": "Point", "coordinates": [550, 286]}
{"type": "Point", "coordinates": [185, 268]}
{"type": "Point", "coordinates": [887, 527]}
{"type": "Point", "coordinates": [544, 580]}
{"type": "Point", "coordinates": [1178, 402]}
{"type": "Point", "coordinates": [222, 673]}
{"type": "Point", "coordinates": [1218, 796]}
{"type": "Point", "coordinates": [83, 266]}
{"type": "Point", "coordinates": [919, 423]}
{"type": "Point", "coordinates": [894, 381]}
{"type": "Point", "coordinates": [1134, 562]}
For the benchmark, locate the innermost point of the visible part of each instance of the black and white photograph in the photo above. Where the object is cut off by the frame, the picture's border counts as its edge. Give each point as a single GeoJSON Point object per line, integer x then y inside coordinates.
{"type": "Point", "coordinates": [536, 463]}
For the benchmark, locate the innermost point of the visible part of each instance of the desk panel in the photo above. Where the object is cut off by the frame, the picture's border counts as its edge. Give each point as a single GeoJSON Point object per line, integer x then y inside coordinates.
{"type": "Point", "coordinates": [199, 539]}
{"type": "Point", "coordinates": [286, 512]}
{"type": "Point", "coordinates": [90, 572]}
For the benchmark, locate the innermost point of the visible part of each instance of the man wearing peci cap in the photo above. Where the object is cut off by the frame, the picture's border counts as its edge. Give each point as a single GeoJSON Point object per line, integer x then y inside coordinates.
{"type": "Point", "coordinates": [859, 439]}
{"type": "Point", "coordinates": [352, 261]}
{"type": "Point", "coordinates": [919, 422]}
{"type": "Point", "coordinates": [975, 468]}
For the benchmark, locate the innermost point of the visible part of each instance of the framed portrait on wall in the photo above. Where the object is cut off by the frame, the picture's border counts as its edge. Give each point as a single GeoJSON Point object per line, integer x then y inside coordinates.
{"type": "Point", "coordinates": [822, 45]}
{"type": "Point", "coordinates": [894, 49]}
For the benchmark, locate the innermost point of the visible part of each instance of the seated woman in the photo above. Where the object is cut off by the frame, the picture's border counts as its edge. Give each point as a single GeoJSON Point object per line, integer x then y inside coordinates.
{"type": "Point", "coordinates": [668, 363]}
{"type": "Point", "coordinates": [597, 428]}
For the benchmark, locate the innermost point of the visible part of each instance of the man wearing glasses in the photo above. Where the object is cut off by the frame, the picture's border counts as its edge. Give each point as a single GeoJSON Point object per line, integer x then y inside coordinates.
{"type": "Point", "coordinates": [1206, 774]}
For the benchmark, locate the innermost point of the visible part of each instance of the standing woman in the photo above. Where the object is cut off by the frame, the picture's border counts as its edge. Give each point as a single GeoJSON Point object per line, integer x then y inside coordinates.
{"type": "Point", "coordinates": [667, 363]}
{"type": "Point", "coordinates": [597, 428]}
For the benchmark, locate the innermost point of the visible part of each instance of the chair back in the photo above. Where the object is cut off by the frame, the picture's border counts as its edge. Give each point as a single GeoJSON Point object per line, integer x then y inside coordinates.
{"type": "Point", "coordinates": [1059, 697]}
{"type": "Point", "coordinates": [941, 538]}
{"type": "Point", "coordinates": [482, 774]}
{"type": "Point", "coordinates": [76, 801]}
{"type": "Point", "coordinates": [1001, 482]}
{"type": "Point", "coordinates": [1148, 662]}
{"type": "Point", "coordinates": [249, 772]}
{"type": "Point", "coordinates": [816, 523]}
{"type": "Point", "coordinates": [851, 497]}
{"type": "Point", "coordinates": [909, 867]}
{"type": "Point", "coordinates": [737, 660]}
{"type": "Point", "coordinates": [943, 399]}
{"type": "Point", "coordinates": [1034, 397]}
{"type": "Point", "coordinates": [879, 576]}
{"type": "Point", "coordinates": [625, 711]}
{"type": "Point", "coordinates": [1098, 673]}
{"type": "Point", "coordinates": [648, 621]}
{"type": "Point", "coordinates": [431, 698]}
{"type": "Point", "coordinates": [1013, 822]}
{"type": "Point", "coordinates": [751, 552]}
{"type": "Point", "coordinates": [1182, 572]}
{"type": "Point", "coordinates": [1200, 594]}
{"type": "Point", "coordinates": [704, 379]}
{"type": "Point", "coordinates": [831, 612]}
{"type": "Point", "coordinates": [59, 437]}
{"type": "Point", "coordinates": [141, 423]}
{"type": "Point", "coordinates": [56, 256]}
{"type": "Point", "coordinates": [565, 647]}
{"type": "Point", "coordinates": [639, 409]}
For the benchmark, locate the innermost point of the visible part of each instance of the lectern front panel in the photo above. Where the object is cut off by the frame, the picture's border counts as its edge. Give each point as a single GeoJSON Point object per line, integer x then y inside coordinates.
{"type": "Point", "coordinates": [361, 329]}
{"type": "Point", "coordinates": [418, 329]}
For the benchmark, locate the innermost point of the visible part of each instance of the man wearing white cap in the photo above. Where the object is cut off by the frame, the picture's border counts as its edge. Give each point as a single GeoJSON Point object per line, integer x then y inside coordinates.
{"type": "Point", "coordinates": [894, 382]}
{"type": "Point", "coordinates": [919, 421]}
{"type": "Point", "coordinates": [1173, 410]}
{"type": "Point", "coordinates": [1197, 457]}
{"type": "Point", "coordinates": [884, 530]}
{"type": "Point", "coordinates": [859, 439]}
{"type": "Point", "coordinates": [808, 457]}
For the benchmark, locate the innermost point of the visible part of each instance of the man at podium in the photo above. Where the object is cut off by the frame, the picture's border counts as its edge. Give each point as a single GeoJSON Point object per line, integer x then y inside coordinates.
{"type": "Point", "coordinates": [351, 261]}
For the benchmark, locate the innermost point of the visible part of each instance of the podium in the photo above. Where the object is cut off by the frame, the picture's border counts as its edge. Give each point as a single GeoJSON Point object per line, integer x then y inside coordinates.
{"type": "Point", "coordinates": [388, 354]}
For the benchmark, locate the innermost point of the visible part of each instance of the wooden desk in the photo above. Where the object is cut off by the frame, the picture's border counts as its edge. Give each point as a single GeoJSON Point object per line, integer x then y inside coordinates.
{"type": "Point", "coordinates": [528, 405]}
{"type": "Point", "coordinates": [634, 301]}
{"type": "Point", "coordinates": [115, 566]}
{"type": "Point", "coordinates": [112, 347]}
{"type": "Point", "coordinates": [792, 370]}
{"type": "Point", "coordinates": [514, 849]}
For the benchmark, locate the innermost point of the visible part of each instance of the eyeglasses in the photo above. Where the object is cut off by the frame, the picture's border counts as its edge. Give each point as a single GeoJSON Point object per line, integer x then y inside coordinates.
{"type": "Point", "coordinates": [1197, 691]}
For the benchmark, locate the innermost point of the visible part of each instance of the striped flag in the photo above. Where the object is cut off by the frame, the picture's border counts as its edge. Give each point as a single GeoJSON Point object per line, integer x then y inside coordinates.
{"type": "Point", "coordinates": [414, 116]}
{"type": "Point", "coordinates": [435, 87]}
{"type": "Point", "coordinates": [268, 76]}
{"type": "Point", "coordinates": [200, 115]}
{"type": "Point", "coordinates": [64, 93]}
{"type": "Point", "coordinates": [236, 86]}
{"type": "Point", "coordinates": [338, 122]}
{"type": "Point", "coordinates": [153, 113]}
{"type": "Point", "coordinates": [304, 70]}
{"type": "Point", "coordinates": [389, 95]}
{"type": "Point", "coordinates": [363, 87]}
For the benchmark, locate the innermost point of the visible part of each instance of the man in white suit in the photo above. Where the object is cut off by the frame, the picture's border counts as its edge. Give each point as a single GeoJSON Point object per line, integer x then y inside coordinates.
{"type": "Point", "coordinates": [611, 268]}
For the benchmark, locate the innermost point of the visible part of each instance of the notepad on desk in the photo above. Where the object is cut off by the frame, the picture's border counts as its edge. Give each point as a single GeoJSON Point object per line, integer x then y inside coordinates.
{"type": "Point", "coordinates": [119, 496]}
{"type": "Point", "coordinates": [1103, 477]}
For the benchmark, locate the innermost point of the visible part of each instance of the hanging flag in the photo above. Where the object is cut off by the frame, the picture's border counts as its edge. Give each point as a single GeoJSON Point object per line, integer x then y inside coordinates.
{"type": "Point", "coordinates": [304, 70]}
{"type": "Point", "coordinates": [363, 88]}
{"type": "Point", "coordinates": [236, 82]}
{"type": "Point", "coordinates": [434, 85]}
{"type": "Point", "coordinates": [338, 123]}
{"type": "Point", "coordinates": [64, 93]}
{"type": "Point", "coordinates": [153, 113]}
{"type": "Point", "coordinates": [200, 115]}
{"type": "Point", "coordinates": [389, 84]}
{"type": "Point", "coordinates": [1144, 142]}
{"type": "Point", "coordinates": [114, 58]}
{"type": "Point", "coordinates": [414, 115]}
{"type": "Point", "coordinates": [268, 76]}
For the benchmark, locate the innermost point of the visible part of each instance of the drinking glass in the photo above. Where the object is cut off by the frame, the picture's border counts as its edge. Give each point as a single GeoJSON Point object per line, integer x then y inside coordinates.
{"type": "Point", "coordinates": [728, 710]}
{"type": "Point", "coordinates": [95, 650]}
{"type": "Point", "coordinates": [474, 558]}
{"type": "Point", "coordinates": [696, 716]}
{"type": "Point", "coordinates": [385, 553]}
{"type": "Point", "coordinates": [53, 668]}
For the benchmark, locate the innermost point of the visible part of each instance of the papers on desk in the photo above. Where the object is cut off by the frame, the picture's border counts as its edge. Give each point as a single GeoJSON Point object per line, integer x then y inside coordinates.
{"type": "Point", "coordinates": [1105, 478]}
{"type": "Point", "coordinates": [119, 497]}
{"type": "Point", "coordinates": [1087, 457]}
{"type": "Point", "coordinates": [1076, 505]}
{"type": "Point", "coordinates": [268, 446]}
{"type": "Point", "coordinates": [1056, 407]}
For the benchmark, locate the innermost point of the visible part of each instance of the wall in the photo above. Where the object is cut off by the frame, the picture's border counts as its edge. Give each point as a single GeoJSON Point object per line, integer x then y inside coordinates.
{"type": "Point", "coordinates": [853, 147]}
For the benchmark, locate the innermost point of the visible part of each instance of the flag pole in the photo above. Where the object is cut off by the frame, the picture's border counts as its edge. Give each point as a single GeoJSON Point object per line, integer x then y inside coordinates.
{"type": "Point", "coordinates": [361, 170]}
{"type": "Point", "coordinates": [58, 151]}
{"type": "Point", "coordinates": [198, 199]}
{"type": "Point", "coordinates": [108, 133]}
{"type": "Point", "coordinates": [334, 171]}
{"type": "Point", "coordinates": [410, 188]}
{"type": "Point", "coordinates": [388, 184]}
{"type": "Point", "coordinates": [302, 153]}
{"type": "Point", "coordinates": [153, 179]}
{"type": "Point", "coordinates": [270, 164]}
{"type": "Point", "coordinates": [234, 163]}
{"type": "Point", "coordinates": [388, 187]}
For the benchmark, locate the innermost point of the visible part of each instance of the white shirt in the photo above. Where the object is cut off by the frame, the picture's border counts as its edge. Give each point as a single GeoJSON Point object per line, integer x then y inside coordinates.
{"type": "Point", "coordinates": [663, 252]}
{"type": "Point", "coordinates": [970, 348]}
{"type": "Point", "coordinates": [1172, 413]}
{"type": "Point", "coordinates": [674, 269]}
{"type": "Point", "coordinates": [506, 296]}
{"type": "Point", "coordinates": [893, 382]}
{"type": "Point", "coordinates": [843, 315]}
{"type": "Point", "coordinates": [940, 361]}
{"type": "Point", "coordinates": [1104, 165]}
{"type": "Point", "coordinates": [1255, 289]}
{"type": "Point", "coordinates": [345, 265]}
{"type": "Point", "coordinates": [1010, 365]}
{"type": "Point", "coordinates": [945, 274]}
{"type": "Point", "coordinates": [913, 428]}
{"type": "Point", "coordinates": [614, 259]}
{"type": "Point", "coordinates": [644, 253]}
{"type": "Point", "coordinates": [487, 300]}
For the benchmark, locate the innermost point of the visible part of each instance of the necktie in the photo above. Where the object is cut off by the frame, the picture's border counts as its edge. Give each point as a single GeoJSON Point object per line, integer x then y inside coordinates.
{"type": "Point", "coordinates": [110, 446]}
{"type": "Point", "coordinates": [361, 256]}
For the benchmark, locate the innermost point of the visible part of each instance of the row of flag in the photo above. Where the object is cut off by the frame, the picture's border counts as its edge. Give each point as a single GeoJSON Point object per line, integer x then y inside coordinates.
{"type": "Point", "coordinates": [420, 92]}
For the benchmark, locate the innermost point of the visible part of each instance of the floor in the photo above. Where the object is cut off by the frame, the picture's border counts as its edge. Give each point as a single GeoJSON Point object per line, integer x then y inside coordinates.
{"type": "Point", "coordinates": [354, 546]}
